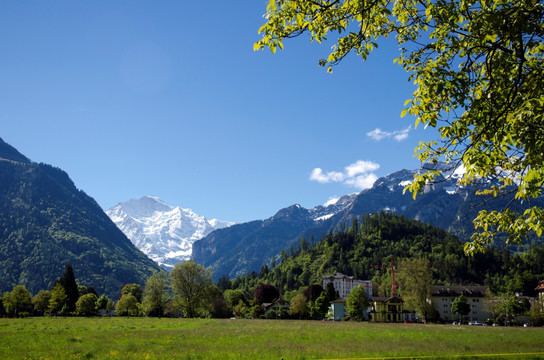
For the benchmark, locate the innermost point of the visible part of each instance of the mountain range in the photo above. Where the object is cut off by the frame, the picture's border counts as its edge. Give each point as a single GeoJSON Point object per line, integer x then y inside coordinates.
{"type": "Point", "coordinates": [46, 222]}
{"type": "Point", "coordinates": [243, 248]}
{"type": "Point", "coordinates": [164, 233]}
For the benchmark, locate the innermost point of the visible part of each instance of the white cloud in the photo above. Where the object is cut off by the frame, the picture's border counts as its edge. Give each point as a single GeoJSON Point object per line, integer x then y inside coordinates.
{"type": "Point", "coordinates": [402, 134]}
{"type": "Point", "coordinates": [361, 167]}
{"type": "Point", "coordinates": [378, 134]}
{"type": "Point", "coordinates": [331, 176]}
{"type": "Point", "coordinates": [359, 175]}
{"type": "Point", "coordinates": [398, 135]}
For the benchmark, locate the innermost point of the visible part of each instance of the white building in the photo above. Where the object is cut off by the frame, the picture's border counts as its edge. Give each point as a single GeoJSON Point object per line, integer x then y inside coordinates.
{"type": "Point", "coordinates": [343, 284]}
{"type": "Point", "coordinates": [443, 296]}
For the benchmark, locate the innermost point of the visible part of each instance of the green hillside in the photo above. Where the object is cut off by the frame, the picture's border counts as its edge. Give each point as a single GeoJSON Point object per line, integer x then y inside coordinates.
{"type": "Point", "coordinates": [46, 222]}
{"type": "Point", "coordinates": [365, 248]}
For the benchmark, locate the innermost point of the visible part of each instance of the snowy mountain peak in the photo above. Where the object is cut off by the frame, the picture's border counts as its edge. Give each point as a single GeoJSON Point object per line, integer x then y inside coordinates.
{"type": "Point", "coordinates": [163, 232]}
{"type": "Point", "coordinates": [145, 206]}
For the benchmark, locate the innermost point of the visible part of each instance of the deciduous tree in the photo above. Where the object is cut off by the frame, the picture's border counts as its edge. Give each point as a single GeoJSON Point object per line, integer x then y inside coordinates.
{"type": "Point", "coordinates": [298, 307]}
{"type": "Point", "coordinates": [478, 71]}
{"type": "Point", "coordinates": [128, 305]}
{"type": "Point", "coordinates": [86, 305]}
{"type": "Point", "coordinates": [18, 301]}
{"type": "Point", "coordinates": [233, 297]}
{"type": "Point", "coordinates": [133, 289]}
{"type": "Point", "coordinates": [58, 299]}
{"type": "Point", "coordinates": [357, 303]}
{"type": "Point", "coordinates": [155, 294]}
{"type": "Point", "coordinates": [313, 292]}
{"type": "Point", "coordinates": [266, 293]}
{"type": "Point", "coordinates": [191, 283]}
{"type": "Point", "coordinates": [415, 278]}
{"type": "Point", "coordinates": [102, 302]}
{"type": "Point", "coordinates": [320, 306]}
{"type": "Point", "coordinates": [218, 304]}
{"type": "Point", "coordinates": [460, 306]}
{"type": "Point", "coordinates": [537, 312]}
{"type": "Point", "coordinates": [40, 301]}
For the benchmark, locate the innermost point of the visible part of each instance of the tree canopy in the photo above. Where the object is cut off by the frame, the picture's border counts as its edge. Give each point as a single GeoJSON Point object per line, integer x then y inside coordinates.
{"type": "Point", "coordinates": [415, 278]}
{"type": "Point", "coordinates": [155, 294]}
{"type": "Point", "coordinates": [266, 293]}
{"type": "Point", "coordinates": [357, 303]}
{"type": "Point", "coordinates": [191, 284]}
{"type": "Point", "coordinates": [477, 68]}
{"type": "Point", "coordinates": [460, 306]}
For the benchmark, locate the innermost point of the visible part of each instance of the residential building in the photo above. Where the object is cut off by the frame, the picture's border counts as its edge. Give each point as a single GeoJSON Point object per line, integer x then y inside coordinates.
{"type": "Point", "coordinates": [277, 306]}
{"type": "Point", "coordinates": [343, 284]}
{"type": "Point", "coordinates": [387, 309]}
{"type": "Point", "coordinates": [443, 296]}
{"type": "Point", "coordinates": [338, 309]}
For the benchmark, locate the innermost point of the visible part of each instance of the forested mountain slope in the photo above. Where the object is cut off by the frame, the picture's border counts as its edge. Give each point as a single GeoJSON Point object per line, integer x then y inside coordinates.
{"type": "Point", "coordinates": [365, 248]}
{"type": "Point", "coordinates": [46, 222]}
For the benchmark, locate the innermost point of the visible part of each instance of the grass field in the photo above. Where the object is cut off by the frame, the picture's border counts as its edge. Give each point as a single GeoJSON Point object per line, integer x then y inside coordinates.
{"type": "Point", "coordinates": [147, 338]}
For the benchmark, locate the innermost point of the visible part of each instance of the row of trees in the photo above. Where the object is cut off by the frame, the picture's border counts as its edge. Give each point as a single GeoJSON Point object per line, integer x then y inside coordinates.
{"type": "Point", "coordinates": [194, 295]}
{"type": "Point", "coordinates": [187, 291]}
{"type": "Point", "coordinates": [64, 298]}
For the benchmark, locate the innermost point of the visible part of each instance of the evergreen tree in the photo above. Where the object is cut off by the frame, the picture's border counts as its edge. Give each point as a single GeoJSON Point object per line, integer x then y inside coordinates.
{"type": "Point", "coordinates": [68, 282]}
{"type": "Point", "coordinates": [224, 283]}
{"type": "Point", "coordinates": [313, 292]}
{"type": "Point", "coordinates": [332, 294]}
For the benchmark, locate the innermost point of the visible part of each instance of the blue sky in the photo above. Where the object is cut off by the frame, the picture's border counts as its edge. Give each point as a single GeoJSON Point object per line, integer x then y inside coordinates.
{"type": "Point", "coordinates": [168, 98]}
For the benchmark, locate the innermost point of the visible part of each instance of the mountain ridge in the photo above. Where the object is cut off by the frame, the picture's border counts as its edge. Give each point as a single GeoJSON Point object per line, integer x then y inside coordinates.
{"type": "Point", "coordinates": [47, 222]}
{"type": "Point", "coordinates": [444, 204]}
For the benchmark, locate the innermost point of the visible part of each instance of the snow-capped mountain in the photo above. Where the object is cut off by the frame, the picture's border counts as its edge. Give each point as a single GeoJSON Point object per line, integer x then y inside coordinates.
{"type": "Point", "coordinates": [164, 233]}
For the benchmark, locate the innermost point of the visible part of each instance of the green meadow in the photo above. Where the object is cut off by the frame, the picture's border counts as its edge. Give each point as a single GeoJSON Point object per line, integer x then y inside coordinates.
{"type": "Point", "coordinates": [151, 338]}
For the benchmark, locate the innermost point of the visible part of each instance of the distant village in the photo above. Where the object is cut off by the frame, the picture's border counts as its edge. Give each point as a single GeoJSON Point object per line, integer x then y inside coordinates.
{"type": "Point", "coordinates": [390, 309]}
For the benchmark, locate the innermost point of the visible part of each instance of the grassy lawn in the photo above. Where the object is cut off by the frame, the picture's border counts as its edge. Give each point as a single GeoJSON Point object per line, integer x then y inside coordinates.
{"type": "Point", "coordinates": [146, 338]}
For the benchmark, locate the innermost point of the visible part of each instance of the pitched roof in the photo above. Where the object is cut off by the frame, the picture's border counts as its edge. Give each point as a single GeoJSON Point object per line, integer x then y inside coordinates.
{"type": "Point", "coordinates": [384, 299]}
{"type": "Point", "coordinates": [281, 301]}
{"type": "Point", "coordinates": [540, 286]}
{"type": "Point", "coordinates": [466, 290]}
{"type": "Point", "coordinates": [337, 276]}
